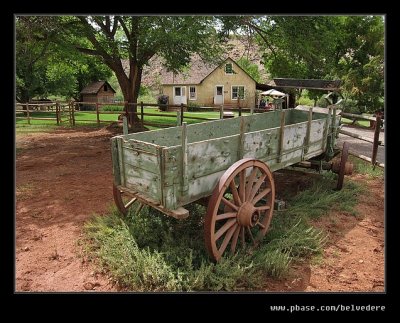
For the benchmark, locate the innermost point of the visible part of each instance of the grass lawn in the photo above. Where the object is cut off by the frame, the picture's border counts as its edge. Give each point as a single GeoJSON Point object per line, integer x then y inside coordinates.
{"type": "Point", "coordinates": [360, 123]}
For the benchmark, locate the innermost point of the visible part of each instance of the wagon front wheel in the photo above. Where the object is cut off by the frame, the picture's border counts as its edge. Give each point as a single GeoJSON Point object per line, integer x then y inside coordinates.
{"type": "Point", "coordinates": [122, 200]}
{"type": "Point", "coordinates": [240, 208]}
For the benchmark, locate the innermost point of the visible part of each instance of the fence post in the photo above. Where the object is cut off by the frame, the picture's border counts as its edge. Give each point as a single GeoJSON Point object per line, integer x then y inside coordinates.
{"type": "Point", "coordinates": [376, 140]}
{"type": "Point", "coordinates": [97, 114]}
{"type": "Point", "coordinates": [73, 114]}
{"type": "Point", "coordinates": [57, 113]}
{"type": "Point", "coordinates": [125, 125]}
{"type": "Point", "coordinates": [141, 114]}
{"type": "Point", "coordinates": [181, 113]}
{"type": "Point", "coordinates": [27, 113]}
{"type": "Point", "coordinates": [178, 118]}
{"type": "Point", "coordinates": [221, 112]}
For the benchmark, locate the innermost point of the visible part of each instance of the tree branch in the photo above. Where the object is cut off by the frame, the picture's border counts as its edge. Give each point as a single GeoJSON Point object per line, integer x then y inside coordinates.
{"type": "Point", "coordinates": [88, 51]}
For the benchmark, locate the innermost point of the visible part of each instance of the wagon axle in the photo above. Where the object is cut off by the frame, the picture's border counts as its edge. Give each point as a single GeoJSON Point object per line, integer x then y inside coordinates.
{"type": "Point", "coordinates": [338, 166]}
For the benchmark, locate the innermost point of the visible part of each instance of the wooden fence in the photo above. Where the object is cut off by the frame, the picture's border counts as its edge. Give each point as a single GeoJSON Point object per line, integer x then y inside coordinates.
{"type": "Point", "coordinates": [375, 142]}
{"type": "Point", "coordinates": [65, 112]}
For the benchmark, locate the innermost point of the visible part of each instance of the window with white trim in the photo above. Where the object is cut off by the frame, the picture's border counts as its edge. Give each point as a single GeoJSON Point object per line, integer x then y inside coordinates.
{"type": "Point", "coordinates": [192, 93]}
{"type": "Point", "coordinates": [228, 68]}
{"type": "Point", "coordinates": [177, 91]}
{"type": "Point", "coordinates": [237, 92]}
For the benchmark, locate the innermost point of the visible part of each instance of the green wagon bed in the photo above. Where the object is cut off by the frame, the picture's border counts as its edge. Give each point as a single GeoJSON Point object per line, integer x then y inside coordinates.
{"type": "Point", "coordinates": [226, 163]}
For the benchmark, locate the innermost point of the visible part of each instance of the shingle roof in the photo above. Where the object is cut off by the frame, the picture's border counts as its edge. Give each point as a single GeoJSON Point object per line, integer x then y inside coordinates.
{"type": "Point", "coordinates": [155, 72]}
{"type": "Point", "coordinates": [94, 88]}
{"type": "Point", "coordinates": [197, 71]}
{"type": "Point", "coordinates": [330, 85]}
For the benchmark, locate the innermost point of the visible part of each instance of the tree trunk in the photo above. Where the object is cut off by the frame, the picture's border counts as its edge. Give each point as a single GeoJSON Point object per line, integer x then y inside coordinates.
{"type": "Point", "coordinates": [130, 90]}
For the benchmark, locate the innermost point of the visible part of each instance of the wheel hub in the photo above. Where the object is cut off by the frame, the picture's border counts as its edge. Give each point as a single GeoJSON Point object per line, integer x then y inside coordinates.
{"type": "Point", "coordinates": [247, 215]}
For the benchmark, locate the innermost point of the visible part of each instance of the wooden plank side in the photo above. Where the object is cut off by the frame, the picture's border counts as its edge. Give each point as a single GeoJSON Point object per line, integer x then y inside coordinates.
{"type": "Point", "coordinates": [293, 141]}
{"type": "Point", "coordinates": [261, 144]}
{"type": "Point", "coordinates": [115, 161]}
{"type": "Point", "coordinates": [172, 176]}
{"type": "Point", "coordinates": [213, 129]}
{"type": "Point", "coordinates": [143, 181]}
{"type": "Point", "coordinates": [211, 156]}
{"type": "Point", "coordinates": [263, 121]}
{"type": "Point", "coordinates": [140, 159]}
{"type": "Point", "coordinates": [317, 133]}
{"type": "Point", "coordinates": [200, 187]}
{"type": "Point", "coordinates": [142, 146]}
{"type": "Point", "coordinates": [162, 137]}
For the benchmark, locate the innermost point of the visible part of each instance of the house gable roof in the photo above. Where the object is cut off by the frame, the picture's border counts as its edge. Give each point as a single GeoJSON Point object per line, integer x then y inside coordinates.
{"type": "Point", "coordinates": [94, 88]}
{"type": "Point", "coordinates": [197, 73]}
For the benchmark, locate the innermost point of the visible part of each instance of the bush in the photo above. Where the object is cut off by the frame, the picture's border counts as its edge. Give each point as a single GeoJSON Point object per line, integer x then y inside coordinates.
{"type": "Point", "coordinates": [112, 108]}
{"type": "Point", "coordinates": [162, 99]}
{"type": "Point", "coordinates": [193, 107]}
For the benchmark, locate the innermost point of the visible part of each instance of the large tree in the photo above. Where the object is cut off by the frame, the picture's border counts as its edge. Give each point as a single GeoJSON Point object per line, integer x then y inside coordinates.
{"type": "Point", "coordinates": [138, 38]}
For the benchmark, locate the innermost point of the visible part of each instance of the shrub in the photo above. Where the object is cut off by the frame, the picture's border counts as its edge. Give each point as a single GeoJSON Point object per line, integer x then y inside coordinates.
{"type": "Point", "coordinates": [193, 107]}
{"type": "Point", "coordinates": [162, 99]}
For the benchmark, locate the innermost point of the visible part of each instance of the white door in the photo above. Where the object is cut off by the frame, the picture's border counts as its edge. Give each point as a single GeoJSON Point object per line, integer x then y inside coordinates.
{"type": "Point", "coordinates": [219, 94]}
{"type": "Point", "coordinates": [180, 95]}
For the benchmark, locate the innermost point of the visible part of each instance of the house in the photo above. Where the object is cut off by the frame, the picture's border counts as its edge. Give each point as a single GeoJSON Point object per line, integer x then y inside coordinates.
{"type": "Point", "coordinates": [208, 85]}
{"type": "Point", "coordinates": [100, 91]}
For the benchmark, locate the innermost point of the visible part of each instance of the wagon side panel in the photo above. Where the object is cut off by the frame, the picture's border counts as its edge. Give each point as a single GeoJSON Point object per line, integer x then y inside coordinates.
{"type": "Point", "coordinates": [207, 161]}
{"type": "Point", "coordinates": [317, 138]}
{"type": "Point", "coordinates": [140, 166]}
{"type": "Point", "coordinates": [172, 170]}
{"type": "Point", "coordinates": [261, 144]}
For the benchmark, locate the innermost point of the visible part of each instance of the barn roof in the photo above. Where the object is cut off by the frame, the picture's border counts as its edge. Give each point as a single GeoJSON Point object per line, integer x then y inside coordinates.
{"type": "Point", "coordinates": [94, 88]}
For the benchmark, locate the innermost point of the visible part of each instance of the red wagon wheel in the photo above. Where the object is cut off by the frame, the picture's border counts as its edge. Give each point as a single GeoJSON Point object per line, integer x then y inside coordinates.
{"type": "Point", "coordinates": [122, 200]}
{"type": "Point", "coordinates": [240, 208]}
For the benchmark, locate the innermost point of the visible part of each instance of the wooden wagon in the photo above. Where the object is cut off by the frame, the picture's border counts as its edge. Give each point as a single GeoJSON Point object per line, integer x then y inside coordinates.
{"type": "Point", "coordinates": [226, 163]}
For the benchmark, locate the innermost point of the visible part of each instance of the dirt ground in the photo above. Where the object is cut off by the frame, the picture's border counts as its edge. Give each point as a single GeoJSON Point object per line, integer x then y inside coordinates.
{"type": "Point", "coordinates": [64, 177]}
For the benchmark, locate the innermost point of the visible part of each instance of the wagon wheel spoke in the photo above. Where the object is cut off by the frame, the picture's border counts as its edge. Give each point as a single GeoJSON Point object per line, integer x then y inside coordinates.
{"type": "Point", "coordinates": [250, 182]}
{"type": "Point", "coordinates": [122, 200]}
{"type": "Point", "coordinates": [242, 185]}
{"type": "Point", "coordinates": [227, 238]}
{"type": "Point", "coordinates": [242, 237]}
{"type": "Point", "coordinates": [257, 186]}
{"type": "Point", "coordinates": [235, 238]}
{"type": "Point", "coordinates": [224, 228]}
{"type": "Point", "coordinates": [225, 216]}
{"type": "Point", "coordinates": [251, 235]}
{"type": "Point", "coordinates": [235, 193]}
{"type": "Point", "coordinates": [240, 208]}
{"type": "Point", "coordinates": [261, 195]}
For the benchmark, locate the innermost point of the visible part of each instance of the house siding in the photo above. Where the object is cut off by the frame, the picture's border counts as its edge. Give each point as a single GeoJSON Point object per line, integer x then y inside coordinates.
{"type": "Point", "coordinates": [206, 89]}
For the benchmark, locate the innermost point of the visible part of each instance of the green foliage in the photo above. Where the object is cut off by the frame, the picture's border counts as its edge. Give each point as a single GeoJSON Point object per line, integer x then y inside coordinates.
{"type": "Point", "coordinates": [47, 64]}
{"type": "Point", "coordinates": [349, 48]}
{"type": "Point", "coordinates": [250, 68]}
{"type": "Point", "coordinates": [153, 252]}
{"type": "Point", "coordinates": [193, 107]}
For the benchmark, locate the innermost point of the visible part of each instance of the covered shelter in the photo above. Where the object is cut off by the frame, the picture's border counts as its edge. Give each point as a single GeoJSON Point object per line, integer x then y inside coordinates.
{"type": "Point", "coordinates": [288, 84]}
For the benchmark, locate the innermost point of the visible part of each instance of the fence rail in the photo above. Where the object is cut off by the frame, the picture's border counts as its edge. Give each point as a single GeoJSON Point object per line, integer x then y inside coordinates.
{"type": "Point", "coordinates": [375, 142]}
{"type": "Point", "coordinates": [66, 112]}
